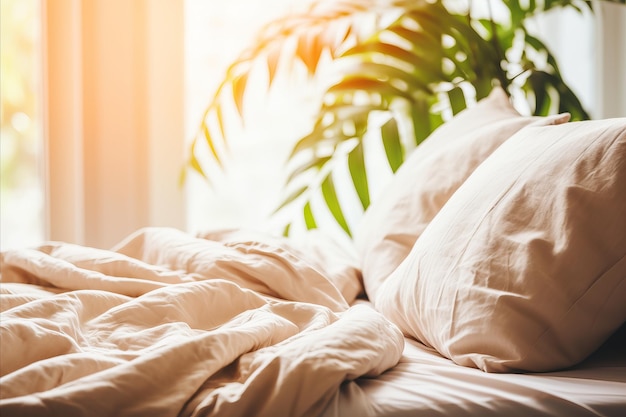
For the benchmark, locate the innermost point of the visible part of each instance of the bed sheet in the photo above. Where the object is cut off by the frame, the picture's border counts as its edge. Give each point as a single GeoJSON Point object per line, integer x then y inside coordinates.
{"type": "Point", "coordinates": [426, 384]}
{"type": "Point", "coordinates": [228, 324]}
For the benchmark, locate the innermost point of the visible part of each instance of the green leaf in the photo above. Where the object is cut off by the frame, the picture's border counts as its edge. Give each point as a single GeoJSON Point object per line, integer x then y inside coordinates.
{"type": "Point", "coordinates": [309, 50]}
{"type": "Point", "coordinates": [182, 176]}
{"type": "Point", "coordinates": [273, 59]}
{"type": "Point", "coordinates": [539, 82]}
{"type": "Point", "coordinates": [421, 117]}
{"type": "Point", "coordinates": [392, 144]}
{"type": "Point", "coordinates": [425, 38]}
{"type": "Point", "coordinates": [356, 165]}
{"type": "Point", "coordinates": [209, 140]}
{"type": "Point", "coordinates": [311, 140]}
{"type": "Point", "coordinates": [332, 134]}
{"type": "Point", "coordinates": [332, 202]}
{"type": "Point", "coordinates": [239, 84]}
{"type": "Point", "coordinates": [309, 218]}
{"type": "Point", "coordinates": [457, 100]}
{"type": "Point", "coordinates": [386, 74]}
{"type": "Point", "coordinates": [313, 163]}
{"type": "Point", "coordinates": [404, 63]}
{"type": "Point", "coordinates": [363, 83]}
{"type": "Point", "coordinates": [517, 13]}
{"type": "Point", "coordinates": [426, 59]}
{"type": "Point", "coordinates": [219, 115]}
{"type": "Point", "coordinates": [195, 165]}
{"type": "Point", "coordinates": [292, 197]}
{"type": "Point", "coordinates": [571, 104]}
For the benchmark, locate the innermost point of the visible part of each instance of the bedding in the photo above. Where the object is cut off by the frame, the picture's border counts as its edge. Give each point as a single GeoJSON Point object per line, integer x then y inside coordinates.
{"type": "Point", "coordinates": [506, 297]}
{"type": "Point", "coordinates": [424, 383]}
{"type": "Point", "coordinates": [169, 324]}
{"type": "Point", "coordinates": [524, 269]}
{"type": "Point", "coordinates": [427, 179]}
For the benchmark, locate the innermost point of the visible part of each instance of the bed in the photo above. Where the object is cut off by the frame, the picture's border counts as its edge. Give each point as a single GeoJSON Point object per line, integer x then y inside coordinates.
{"type": "Point", "coordinates": [488, 278]}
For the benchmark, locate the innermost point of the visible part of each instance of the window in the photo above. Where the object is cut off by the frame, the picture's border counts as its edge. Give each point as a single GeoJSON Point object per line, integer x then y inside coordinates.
{"type": "Point", "coordinates": [113, 100]}
{"type": "Point", "coordinates": [215, 33]}
{"type": "Point", "coordinates": [21, 193]}
{"type": "Point", "coordinates": [99, 97]}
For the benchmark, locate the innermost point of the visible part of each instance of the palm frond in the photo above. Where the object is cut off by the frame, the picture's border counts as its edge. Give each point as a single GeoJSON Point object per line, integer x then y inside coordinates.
{"type": "Point", "coordinates": [398, 69]}
{"type": "Point", "coordinates": [324, 27]}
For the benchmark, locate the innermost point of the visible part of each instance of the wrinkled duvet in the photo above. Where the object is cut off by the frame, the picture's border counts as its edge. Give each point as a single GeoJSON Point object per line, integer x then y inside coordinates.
{"type": "Point", "coordinates": [169, 324]}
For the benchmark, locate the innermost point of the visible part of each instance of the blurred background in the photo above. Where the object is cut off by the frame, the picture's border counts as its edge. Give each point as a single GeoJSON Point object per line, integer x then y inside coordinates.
{"type": "Point", "coordinates": [100, 98]}
{"type": "Point", "coordinates": [194, 41]}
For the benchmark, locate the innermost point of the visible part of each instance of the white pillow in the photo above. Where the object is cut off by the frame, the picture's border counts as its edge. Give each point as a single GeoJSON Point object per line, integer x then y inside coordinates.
{"type": "Point", "coordinates": [524, 268]}
{"type": "Point", "coordinates": [427, 179]}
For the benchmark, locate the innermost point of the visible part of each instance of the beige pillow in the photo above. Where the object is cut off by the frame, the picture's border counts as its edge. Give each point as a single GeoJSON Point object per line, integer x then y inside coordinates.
{"type": "Point", "coordinates": [428, 178]}
{"type": "Point", "coordinates": [524, 269]}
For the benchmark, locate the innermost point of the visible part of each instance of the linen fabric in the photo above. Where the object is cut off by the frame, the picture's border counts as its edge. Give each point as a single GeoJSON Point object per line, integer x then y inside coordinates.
{"type": "Point", "coordinates": [168, 324]}
{"type": "Point", "coordinates": [427, 179]}
{"type": "Point", "coordinates": [524, 268]}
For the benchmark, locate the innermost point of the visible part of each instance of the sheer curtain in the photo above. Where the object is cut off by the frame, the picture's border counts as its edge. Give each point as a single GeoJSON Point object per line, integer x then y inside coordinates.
{"type": "Point", "coordinates": [610, 32]}
{"type": "Point", "coordinates": [116, 108]}
{"type": "Point", "coordinates": [113, 117]}
{"type": "Point", "coordinates": [591, 51]}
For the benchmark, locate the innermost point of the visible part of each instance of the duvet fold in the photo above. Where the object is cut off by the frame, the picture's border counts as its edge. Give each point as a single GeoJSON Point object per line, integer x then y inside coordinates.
{"type": "Point", "coordinates": [171, 324]}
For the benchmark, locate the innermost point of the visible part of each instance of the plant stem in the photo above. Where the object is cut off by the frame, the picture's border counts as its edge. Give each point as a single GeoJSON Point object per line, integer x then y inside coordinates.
{"type": "Point", "coordinates": [494, 39]}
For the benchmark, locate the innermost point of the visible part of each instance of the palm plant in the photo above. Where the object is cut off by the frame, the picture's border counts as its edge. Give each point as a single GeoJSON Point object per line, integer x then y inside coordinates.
{"type": "Point", "coordinates": [402, 67]}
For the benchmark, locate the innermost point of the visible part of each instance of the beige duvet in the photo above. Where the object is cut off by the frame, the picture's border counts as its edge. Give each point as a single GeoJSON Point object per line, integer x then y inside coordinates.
{"type": "Point", "coordinates": [167, 324]}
